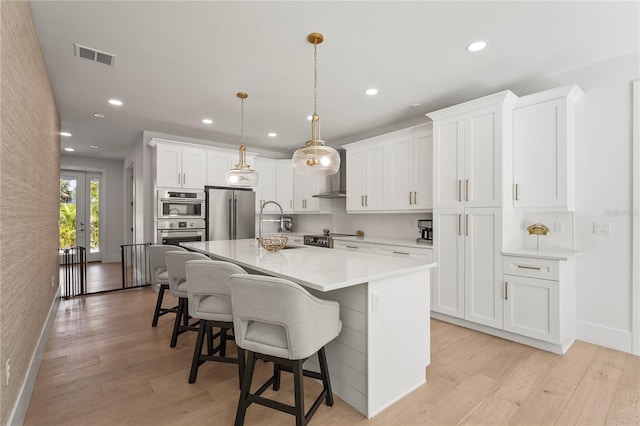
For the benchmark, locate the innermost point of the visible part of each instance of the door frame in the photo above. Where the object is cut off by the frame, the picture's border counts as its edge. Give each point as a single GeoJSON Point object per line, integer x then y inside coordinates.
{"type": "Point", "coordinates": [103, 199]}
{"type": "Point", "coordinates": [635, 213]}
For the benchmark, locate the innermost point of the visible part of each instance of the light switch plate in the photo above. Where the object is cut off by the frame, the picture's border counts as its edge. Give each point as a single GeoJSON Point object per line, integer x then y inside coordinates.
{"type": "Point", "coordinates": [602, 229]}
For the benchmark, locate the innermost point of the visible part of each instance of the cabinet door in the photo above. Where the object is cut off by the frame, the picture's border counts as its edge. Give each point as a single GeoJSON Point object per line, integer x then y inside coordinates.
{"type": "Point", "coordinates": [266, 187]}
{"type": "Point", "coordinates": [304, 186]}
{"type": "Point", "coordinates": [218, 162]}
{"type": "Point", "coordinates": [194, 165]}
{"type": "Point", "coordinates": [376, 179]}
{"type": "Point", "coordinates": [168, 166]}
{"type": "Point", "coordinates": [448, 276]}
{"type": "Point", "coordinates": [284, 184]}
{"type": "Point", "coordinates": [423, 171]}
{"type": "Point", "coordinates": [448, 162]}
{"type": "Point", "coordinates": [483, 266]}
{"type": "Point", "coordinates": [540, 155]}
{"type": "Point", "coordinates": [356, 180]}
{"type": "Point", "coordinates": [532, 307]}
{"type": "Point", "coordinates": [401, 173]}
{"type": "Point", "coordinates": [482, 186]}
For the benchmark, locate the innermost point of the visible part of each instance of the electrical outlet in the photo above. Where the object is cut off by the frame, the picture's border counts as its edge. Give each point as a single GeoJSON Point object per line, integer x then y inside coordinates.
{"type": "Point", "coordinates": [375, 302]}
{"type": "Point", "coordinates": [8, 370]}
{"type": "Point", "coordinates": [602, 229]}
{"type": "Point", "coordinates": [559, 227]}
{"type": "Point", "coordinates": [53, 280]}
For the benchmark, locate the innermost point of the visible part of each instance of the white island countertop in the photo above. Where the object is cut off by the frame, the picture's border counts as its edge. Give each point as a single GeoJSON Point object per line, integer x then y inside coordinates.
{"type": "Point", "coordinates": [318, 268]}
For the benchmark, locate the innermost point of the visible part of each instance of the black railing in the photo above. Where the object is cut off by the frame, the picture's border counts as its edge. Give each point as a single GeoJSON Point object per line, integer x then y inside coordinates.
{"type": "Point", "coordinates": [135, 265]}
{"type": "Point", "coordinates": [73, 272]}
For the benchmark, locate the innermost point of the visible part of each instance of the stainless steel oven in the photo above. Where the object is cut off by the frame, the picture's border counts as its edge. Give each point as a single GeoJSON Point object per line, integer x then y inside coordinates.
{"type": "Point", "coordinates": [175, 231]}
{"type": "Point", "coordinates": [181, 205]}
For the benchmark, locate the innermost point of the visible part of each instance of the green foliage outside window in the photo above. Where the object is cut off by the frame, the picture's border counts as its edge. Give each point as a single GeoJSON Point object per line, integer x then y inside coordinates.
{"type": "Point", "coordinates": [68, 215]}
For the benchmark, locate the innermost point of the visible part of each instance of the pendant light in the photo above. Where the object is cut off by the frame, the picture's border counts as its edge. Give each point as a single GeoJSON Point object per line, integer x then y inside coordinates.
{"type": "Point", "coordinates": [316, 158]}
{"type": "Point", "coordinates": [242, 174]}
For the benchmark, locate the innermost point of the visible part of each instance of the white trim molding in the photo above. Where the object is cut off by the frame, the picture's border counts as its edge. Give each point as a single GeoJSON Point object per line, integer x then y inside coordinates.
{"type": "Point", "coordinates": [635, 274]}
{"type": "Point", "coordinates": [600, 335]}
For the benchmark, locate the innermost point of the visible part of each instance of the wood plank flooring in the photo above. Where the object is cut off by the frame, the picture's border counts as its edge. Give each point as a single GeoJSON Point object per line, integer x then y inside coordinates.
{"type": "Point", "coordinates": [105, 365]}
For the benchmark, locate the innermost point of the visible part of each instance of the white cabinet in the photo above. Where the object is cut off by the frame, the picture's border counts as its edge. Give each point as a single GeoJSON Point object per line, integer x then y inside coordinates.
{"type": "Point", "coordinates": [219, 160]}
{"type": "Point", "coordinates": [425, 253]}
{"type": "Point", "coordinates": [543, 149]}
{"type": "Point", "coordinates": [304, 189]}
{"type": "Point", "coordinates": [468, 152]}
{"type": "Point", "coordinates": [180, 166]}
{"type": "Point", "coordinates": [266, 187]}
{"type": "Point", "coordinates": [410, 155]}
{"type": "Point", "coordinates": [366, 178]}
{"type": "Point", "coordinates": [284, 184]}
{"type": "Point", "coordinates": [467, 281]}
{"type": "Point", "coordinates": [539, 299]}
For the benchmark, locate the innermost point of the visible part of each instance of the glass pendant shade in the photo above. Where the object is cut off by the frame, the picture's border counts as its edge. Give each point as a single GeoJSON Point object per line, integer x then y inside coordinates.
{"type": "Point", "coordinates": [242, 174]}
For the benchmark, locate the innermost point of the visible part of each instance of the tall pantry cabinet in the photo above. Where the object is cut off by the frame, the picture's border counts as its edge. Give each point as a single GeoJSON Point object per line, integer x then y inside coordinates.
{"type": "Point", "coordinates": [471, 146]}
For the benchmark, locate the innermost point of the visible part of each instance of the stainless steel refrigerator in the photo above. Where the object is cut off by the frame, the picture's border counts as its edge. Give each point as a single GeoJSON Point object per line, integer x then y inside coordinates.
{"type": "Point", "coordinates": [230, 213]}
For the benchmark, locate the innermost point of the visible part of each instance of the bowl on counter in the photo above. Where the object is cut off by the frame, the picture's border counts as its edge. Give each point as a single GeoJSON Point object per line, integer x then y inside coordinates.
{"type": "Point", "coordinates": [273, 242]}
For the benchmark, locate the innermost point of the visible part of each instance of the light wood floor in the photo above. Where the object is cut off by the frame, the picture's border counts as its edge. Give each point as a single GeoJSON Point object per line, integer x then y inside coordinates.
{"type": "Point", "coordinates": [105, 365]}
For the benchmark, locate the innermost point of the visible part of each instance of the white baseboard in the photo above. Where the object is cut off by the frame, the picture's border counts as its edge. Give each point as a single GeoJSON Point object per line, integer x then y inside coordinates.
{"type": "Point", "coordinates": [19, 411]}
{"type": "Point", "coordinates": [112, 258]}
{"type": "Point", "coordinates": [613, 338]}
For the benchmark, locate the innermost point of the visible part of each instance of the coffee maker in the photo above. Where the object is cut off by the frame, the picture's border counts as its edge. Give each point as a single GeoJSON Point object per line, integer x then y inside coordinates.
{"type": "Point", "coordinates": [426, 231]}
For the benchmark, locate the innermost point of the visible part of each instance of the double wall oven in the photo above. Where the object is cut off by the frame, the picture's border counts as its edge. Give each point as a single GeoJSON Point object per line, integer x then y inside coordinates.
{"type": "Point", "coordinates": [181, 216]}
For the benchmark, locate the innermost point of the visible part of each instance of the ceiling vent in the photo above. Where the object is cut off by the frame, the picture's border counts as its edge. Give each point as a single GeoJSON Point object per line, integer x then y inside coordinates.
{"type": "Point", "coordinates": [94, 55]}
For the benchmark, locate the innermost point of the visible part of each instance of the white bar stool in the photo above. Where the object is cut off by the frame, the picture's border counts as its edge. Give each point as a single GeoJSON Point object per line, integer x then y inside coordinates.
{"type": "Point", "coordinates": [159, 276]}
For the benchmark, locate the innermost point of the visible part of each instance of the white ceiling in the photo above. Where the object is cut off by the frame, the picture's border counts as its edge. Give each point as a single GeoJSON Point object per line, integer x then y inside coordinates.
{"type": "Point", "coordinates": [180, 61]}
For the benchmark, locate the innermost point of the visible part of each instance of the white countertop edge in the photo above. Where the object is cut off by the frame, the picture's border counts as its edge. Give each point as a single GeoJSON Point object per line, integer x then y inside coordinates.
{"type": "Point", "coordinates": [543, 254]}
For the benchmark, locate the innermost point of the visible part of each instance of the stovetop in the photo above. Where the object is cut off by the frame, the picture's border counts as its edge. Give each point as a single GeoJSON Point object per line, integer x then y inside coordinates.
{"type": "Point", "coordinates": [322, 240]}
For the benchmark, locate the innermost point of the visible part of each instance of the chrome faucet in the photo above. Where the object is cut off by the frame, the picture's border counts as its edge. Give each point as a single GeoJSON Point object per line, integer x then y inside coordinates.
{"type": "Point", "coordinates": [260, 220]}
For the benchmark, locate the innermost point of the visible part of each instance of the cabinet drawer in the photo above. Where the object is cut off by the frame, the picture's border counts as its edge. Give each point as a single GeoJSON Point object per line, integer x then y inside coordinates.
{"type": "Point", "coordinates": [347, 245]}
{"type": "Point", "coordinates": [407, 252]}
{"type": "Point", "coordinates": [530, 267]}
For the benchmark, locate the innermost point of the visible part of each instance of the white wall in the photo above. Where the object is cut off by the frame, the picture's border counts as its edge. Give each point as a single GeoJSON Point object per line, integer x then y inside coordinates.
{"type": "Point", "coordinates": [112, 223]}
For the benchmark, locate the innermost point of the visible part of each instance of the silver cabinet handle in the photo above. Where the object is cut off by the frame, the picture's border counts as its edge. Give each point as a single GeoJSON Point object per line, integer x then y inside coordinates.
{"type": "Point", "coordinates": [415, 197]}
{"type": "Point", "coordinates": [291, 204]}
{"type": "Point", "coordinates": [516, 192]}
{"type": "Point", "coordinates": [466, 189]}
{"type": "Point", "coordinates": [352, 247]}
{"type": "Point", "coordinates": [401, 252]}
{"type": "Point", "coordinates": [366, 201]}
{"type": "Point", "coordinates": [537, 268]}
{"type": "Point", "coordinates": [179, 181]}
{"type": "Point", "coordinates": [459, 190]}
{"type": "Point", "coordinates": [506, 290]}
{"type": "Point", "coordinates": [362, 200]}
{"type": "Point", "coordinates": [466, 225]}
{"type": "Point", "coordinates": [410, 197]}
{"type": "Point", "coordinates": [459, 224]}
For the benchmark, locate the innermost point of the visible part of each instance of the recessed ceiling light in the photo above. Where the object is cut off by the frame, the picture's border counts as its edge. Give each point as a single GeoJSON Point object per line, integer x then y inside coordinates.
{"type": "Point", "coordinates": [207, 121]}
{"type": "Point", "coordinates": [69, 149]}
{"type": "Point", "coordinates": [93, 146]}
{"type": "Point", "coordinates": [272, 134]}
{"type": "Point", "coordinates": [371, 91]}
{"type": "Point", "coordinates": [414, 106]}
{"type": "Point", "coordinates": [115, 102]}
{"type": "Point", "coordinates": [476, 46]}
{"type": "Point", "coordinates": [98, 115]}
{"type": "Point", "coordinates": [67, 134]}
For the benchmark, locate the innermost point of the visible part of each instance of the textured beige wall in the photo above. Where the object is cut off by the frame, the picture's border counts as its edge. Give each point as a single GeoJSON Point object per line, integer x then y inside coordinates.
{"type": "Point", "coordinates": [29, 190]}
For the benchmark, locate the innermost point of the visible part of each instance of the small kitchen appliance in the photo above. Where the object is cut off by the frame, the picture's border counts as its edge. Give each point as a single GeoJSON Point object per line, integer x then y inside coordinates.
{"type": "Point", "coordinates": [426, 231]}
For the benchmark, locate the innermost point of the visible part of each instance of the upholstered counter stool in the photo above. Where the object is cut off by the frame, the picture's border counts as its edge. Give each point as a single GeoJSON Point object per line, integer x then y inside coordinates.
{"type": "Point", "coordinates": [209, 291]}
{"type": "Point", "coordinates": [176, 269]}
{"type": "Point", "coordinates": [277, 320]}
{"type": "Point", "coordinates": [159, 277]}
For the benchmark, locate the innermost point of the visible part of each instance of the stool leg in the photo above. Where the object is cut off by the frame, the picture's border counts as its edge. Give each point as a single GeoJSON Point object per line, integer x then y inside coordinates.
{"type": "Point", "coordinates": [326, 381]}
{"type": "Point", "coordinates": [210, 340]}
{"type": "Point", "coordinates": [223, 342]}
{"type": "Point", "coordinates": [176, 324]}
{"type": "Point", "coordinates": [241, 366]}
{"type": "Point", "coordinates": [156, 313]}
{"type": "Point", "coordinates": [198, 351]}
{"type": "Point", "coordinates": [299, 392]}
{"type": "Point", "coordinates": [276, 376]}
{"type": "Point", "coordinates": [245, 389]}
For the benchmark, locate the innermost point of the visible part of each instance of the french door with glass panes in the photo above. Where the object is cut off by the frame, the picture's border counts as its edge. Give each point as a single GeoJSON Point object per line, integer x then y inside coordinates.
{"type": "Point", "coordinates": [80, 212]}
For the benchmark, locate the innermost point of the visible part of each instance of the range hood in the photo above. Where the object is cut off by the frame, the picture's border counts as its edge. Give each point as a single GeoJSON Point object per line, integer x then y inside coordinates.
{"type": "Point", "coordinates": [338, 182]}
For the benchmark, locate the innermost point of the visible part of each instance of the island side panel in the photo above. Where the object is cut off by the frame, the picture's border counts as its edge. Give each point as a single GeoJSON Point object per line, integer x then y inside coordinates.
{"type": "Point", "coordinates": [398, 337]}
{"type": "Point", "coordinates": [347, 353]}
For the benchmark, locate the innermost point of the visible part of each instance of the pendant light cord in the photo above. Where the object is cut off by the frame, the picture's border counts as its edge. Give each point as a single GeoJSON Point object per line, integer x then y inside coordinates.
{"type": "Point", "coordinates": [241, 121]}
{"type": "Point", "coordinates": [315, 76]}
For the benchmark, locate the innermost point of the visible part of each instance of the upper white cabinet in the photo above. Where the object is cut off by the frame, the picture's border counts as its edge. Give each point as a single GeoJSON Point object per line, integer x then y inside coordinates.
{"type": "Point", "coordinates": [468, 152]}
{"type": "Point", "coordinates": [284, 184]}
{"type": "Point", "coordinates": [366, 178]}
{"type": "Point", "coordinates": [266, 187]}
{"type": "Point", "coordinates": [411, 166]}
{"type": "Point", "coordinates": [391, 172]}
{"type": "Point", "coordinates": [179, 166]}
{"type": "Point", "coordinates": [304, 189]}
{"type": "Point", "coordinates": [543, 149]}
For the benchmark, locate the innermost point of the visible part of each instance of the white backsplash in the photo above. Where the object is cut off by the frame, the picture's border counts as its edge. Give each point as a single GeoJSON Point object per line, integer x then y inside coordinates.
{"type": "Point", "coordinates": [554, 239]}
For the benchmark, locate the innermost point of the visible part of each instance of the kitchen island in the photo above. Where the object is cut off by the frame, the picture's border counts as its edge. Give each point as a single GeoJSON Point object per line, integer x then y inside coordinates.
{"type": "Point", "coordinates": [383, 349]}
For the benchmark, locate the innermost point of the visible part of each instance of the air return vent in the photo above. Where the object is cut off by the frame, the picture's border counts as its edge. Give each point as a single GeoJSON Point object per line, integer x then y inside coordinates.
{"type": "Point", "coordinates": [94, 55]}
